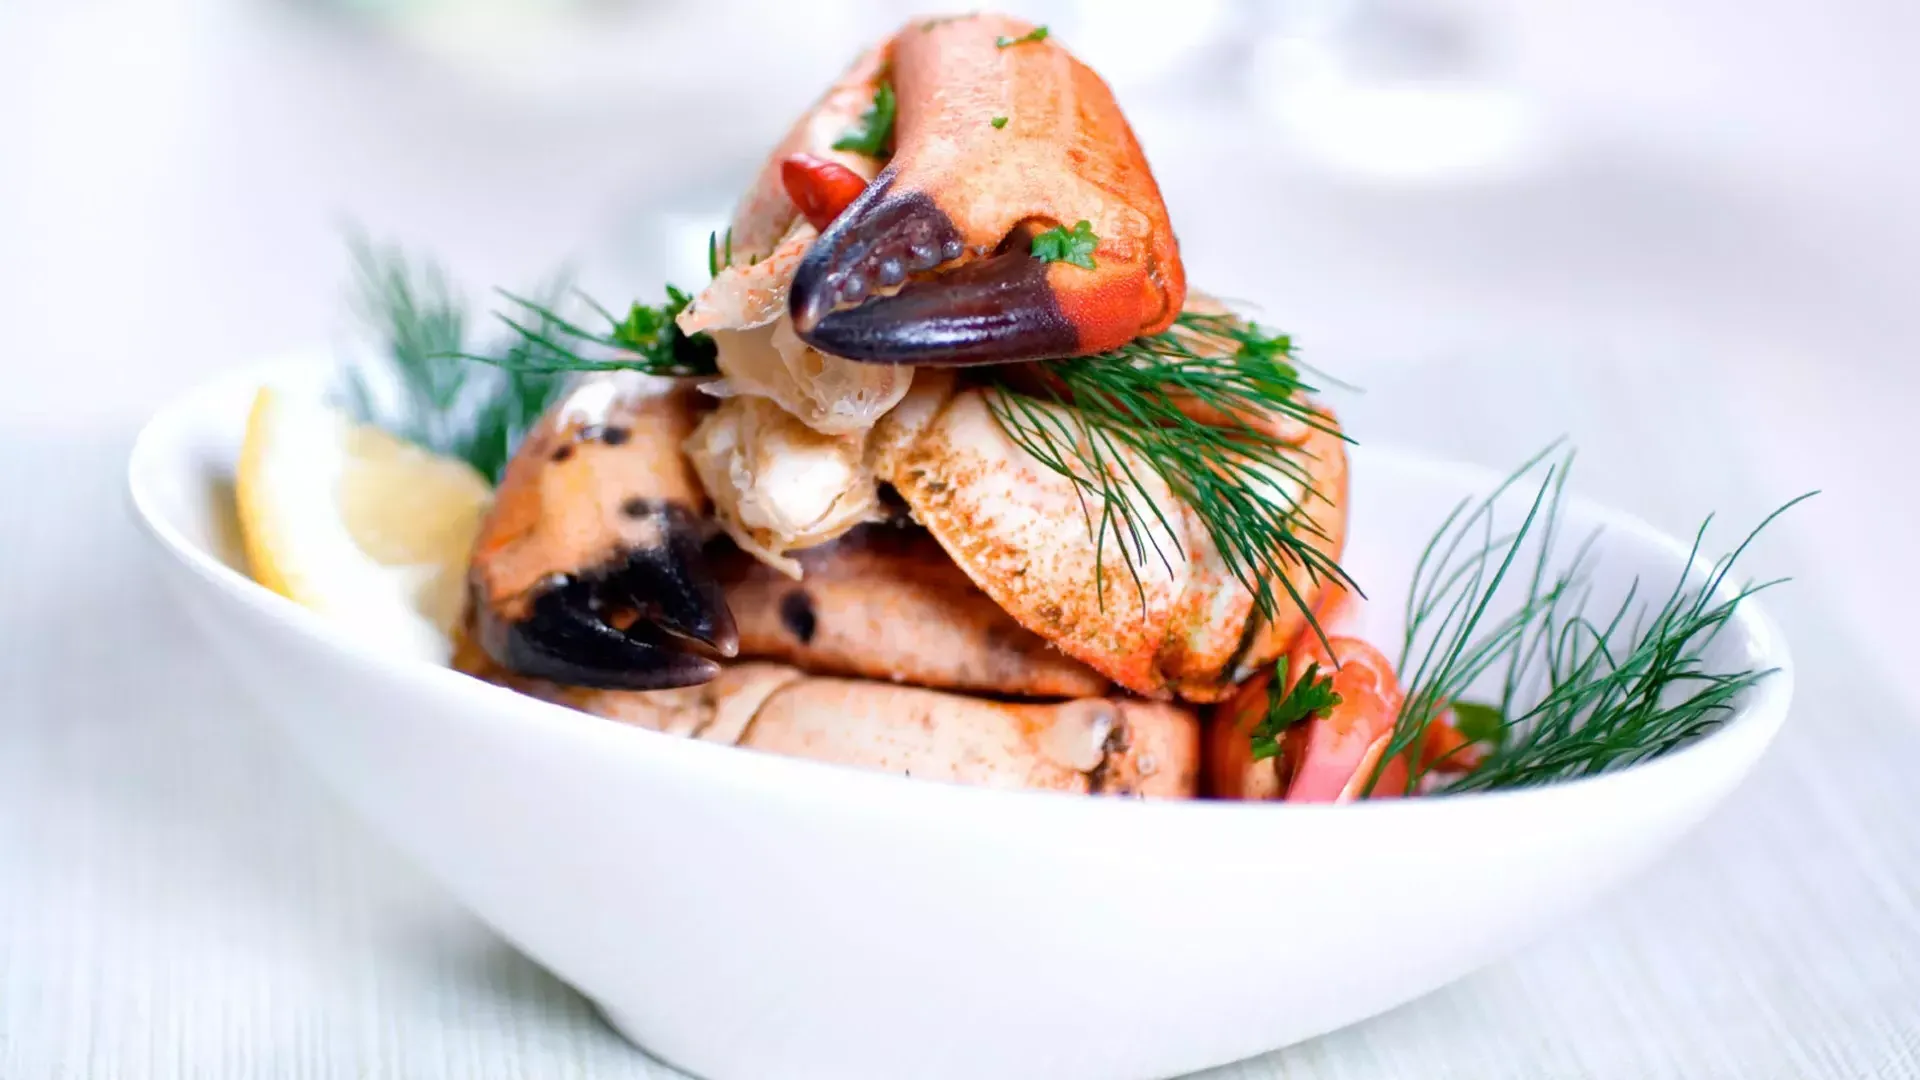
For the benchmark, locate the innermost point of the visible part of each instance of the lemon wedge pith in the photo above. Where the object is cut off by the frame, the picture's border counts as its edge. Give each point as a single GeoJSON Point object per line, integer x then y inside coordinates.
{"type": "Point", "coordinates": [356, 524]}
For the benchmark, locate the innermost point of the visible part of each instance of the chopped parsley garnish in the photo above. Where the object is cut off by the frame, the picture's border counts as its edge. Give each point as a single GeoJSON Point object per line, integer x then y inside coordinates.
{"type": "Point", "coordinates": [999, 122]}
{"type": "Point", "coordinates": [1311, 696]}
{"type": "Point", "coordinates": [875, 129]}
{"type": "Point", "coordinates": [1038, 33]}
{"type": "Point", "coordinates": [1061, 244]}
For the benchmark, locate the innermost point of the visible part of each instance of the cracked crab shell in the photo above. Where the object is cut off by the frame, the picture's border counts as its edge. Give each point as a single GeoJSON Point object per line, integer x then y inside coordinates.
{"type": "Point", "coordinates": [1166, 616]}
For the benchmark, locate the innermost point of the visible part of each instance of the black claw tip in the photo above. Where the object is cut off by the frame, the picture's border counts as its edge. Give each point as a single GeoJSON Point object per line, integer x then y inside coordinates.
{"type": "Point", "coordinates": [664, 577]}
{"type": "Point", "coordinates": [992, 311]}
{"type": "Point", "coordinates": [672, 613]}
{"type": "Point", "coordinates": [878, 238]}
{"type": "Point", "coordinates": [995, 310]}
{"type": "Point", "coordinates": [561, 640]}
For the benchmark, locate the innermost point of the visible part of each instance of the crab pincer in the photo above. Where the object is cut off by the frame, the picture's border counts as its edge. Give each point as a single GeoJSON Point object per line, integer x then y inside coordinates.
{"type": "Point", "coordinates": [589, 571]}
{"type": "Point", "coordinates": [1000, 136]}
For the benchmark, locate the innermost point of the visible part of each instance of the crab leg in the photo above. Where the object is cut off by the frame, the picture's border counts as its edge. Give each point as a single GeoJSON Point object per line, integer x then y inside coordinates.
{"type": "Point", "coordinates": [1090, 745]}
{"type": "Point", "coordinates": [885, 602]}
{"type": "Point", "coordinates": [1096, 746]}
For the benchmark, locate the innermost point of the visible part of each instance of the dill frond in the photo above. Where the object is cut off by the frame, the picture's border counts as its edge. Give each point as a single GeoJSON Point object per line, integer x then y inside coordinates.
{"type": "Point", "coordinates": [1194, 405]}
{"type": "Point", "coordinates": [1580, 695]}
{"type": "Point", "coordinates": [645, 339]}
{"type": "Point", "coordinates": [440, 401]}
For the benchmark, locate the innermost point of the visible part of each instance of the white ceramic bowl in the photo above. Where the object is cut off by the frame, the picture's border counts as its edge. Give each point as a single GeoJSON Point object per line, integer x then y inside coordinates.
{"type": "Point", "coordinates": [749, 917]}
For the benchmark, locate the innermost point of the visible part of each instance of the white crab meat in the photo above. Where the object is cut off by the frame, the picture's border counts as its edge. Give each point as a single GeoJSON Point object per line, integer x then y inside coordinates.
{"type": "Point", "coordinates": [777, 485]}
{"type": "Point", "coordinates": [787, 472]}
{"type": "Point", "coordinates": [746, 294]}
{"type": "Point", "coordinates": [830, 395]}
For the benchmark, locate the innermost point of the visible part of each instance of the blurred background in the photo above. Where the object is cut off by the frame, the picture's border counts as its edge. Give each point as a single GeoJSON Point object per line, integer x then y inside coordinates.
{"type": "Point", "coordinates": [1477, 210]}
{"type": "Point", "coordinates": [1685, 233]}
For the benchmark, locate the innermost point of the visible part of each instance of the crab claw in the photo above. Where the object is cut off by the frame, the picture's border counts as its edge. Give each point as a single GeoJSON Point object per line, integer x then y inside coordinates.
{"type": "Point", "coordinates": [588, 570]}
{"type": "Point", "coordinates": [999, 138]}
{"type": "Point", "coordinates": [638, 624]}
{"type": "Point", "coordinates": [562, 641]}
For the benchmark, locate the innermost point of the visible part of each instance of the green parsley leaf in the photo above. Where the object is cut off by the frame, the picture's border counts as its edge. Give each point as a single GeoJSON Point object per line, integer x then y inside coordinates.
{"type": "Point", "coordinates": [1038, 33]}
{"type": "Point", "coordinates": [1480, 723]}
{"type": "Point", "coordinates": [652, 333]}
{"type": "Point", "coordinates": [1061, 244]}
{"type": "Point", "coordinates": [999, 122]}
{"type": "Point", "coordinates": [1311, 696]}
{"type": "Point", "coordinates": [875, 129]}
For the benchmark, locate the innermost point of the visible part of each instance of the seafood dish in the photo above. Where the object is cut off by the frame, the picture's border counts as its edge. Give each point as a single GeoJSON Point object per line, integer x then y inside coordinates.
{"type": "Point", "coordinates": [949, 472]}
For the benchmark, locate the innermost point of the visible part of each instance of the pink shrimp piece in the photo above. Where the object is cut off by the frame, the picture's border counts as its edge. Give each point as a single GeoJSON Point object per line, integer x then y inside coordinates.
{"type": "Point", "coordinates": [1337, 752]}
{"type": "Point", "coordinates": [1325, 758]}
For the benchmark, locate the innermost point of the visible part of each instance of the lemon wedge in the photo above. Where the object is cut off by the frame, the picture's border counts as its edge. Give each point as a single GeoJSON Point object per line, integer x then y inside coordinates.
{"type": "Point", "coordinates": [357, 524]}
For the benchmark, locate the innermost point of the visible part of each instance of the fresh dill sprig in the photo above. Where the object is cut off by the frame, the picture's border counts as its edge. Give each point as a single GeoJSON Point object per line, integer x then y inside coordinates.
{"type": "Point", "coordinates": [1311, 696]}
{"type": "Point", "coordinates": [874, 130]}
{"type": "Point", "coordinates": [1038, 33]}
{"type": "Point", "coordinates": [1459, 572]}
{"type": "Point", "coordinates": [437, 399]}
{"type": "Point", "coordinates": [1579, 695]}
{"type": "Point", "coordinates": [645, 339]}
{"type": "Point", "coordinates": [1090, 419]}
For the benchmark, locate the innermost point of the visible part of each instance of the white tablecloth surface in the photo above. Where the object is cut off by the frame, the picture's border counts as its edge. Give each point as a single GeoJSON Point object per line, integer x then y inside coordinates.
{"type": "Point", "coordinates": [1719, 323]}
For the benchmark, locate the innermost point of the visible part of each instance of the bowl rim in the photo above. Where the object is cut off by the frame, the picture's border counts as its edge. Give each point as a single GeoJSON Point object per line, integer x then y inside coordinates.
{"type": "Point", "coordinates": [1761, 716]}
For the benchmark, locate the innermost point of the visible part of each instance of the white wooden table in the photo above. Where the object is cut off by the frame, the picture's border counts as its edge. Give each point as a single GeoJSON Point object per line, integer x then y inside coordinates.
{"type": "Point", "coordinates": [1719, 322]}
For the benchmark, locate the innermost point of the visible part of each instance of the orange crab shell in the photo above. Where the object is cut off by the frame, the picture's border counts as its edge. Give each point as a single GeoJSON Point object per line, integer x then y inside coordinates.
{"type": "Point", "coordinates": [963, 198]}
